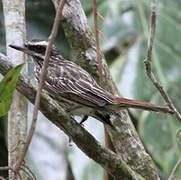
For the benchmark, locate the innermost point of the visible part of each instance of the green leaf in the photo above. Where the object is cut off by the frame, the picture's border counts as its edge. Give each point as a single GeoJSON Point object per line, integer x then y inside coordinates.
{"type": "Point", "coordinates": [7, 86]}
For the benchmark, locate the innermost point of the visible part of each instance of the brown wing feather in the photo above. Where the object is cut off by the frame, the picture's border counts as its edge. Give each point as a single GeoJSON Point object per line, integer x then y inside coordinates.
{"type": "Point", "coordinates": [72, 79]}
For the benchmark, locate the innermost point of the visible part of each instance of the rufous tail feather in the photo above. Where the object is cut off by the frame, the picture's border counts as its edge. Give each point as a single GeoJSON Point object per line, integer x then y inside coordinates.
{"type": "Point", "coordinates": [127, 103]}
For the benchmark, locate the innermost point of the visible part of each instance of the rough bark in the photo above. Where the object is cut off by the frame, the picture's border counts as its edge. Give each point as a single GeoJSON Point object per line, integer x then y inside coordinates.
{"type": "Point", "coordinates": [110, 161]}
{"type": "Point", "coordinates": [14, 14]}
{"type": "Point", "coordinates": [81, 39]}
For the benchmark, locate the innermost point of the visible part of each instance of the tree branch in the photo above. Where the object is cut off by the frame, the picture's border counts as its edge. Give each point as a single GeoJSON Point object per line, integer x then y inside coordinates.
{"type": "Point", "coordinates": [85, 141]}
{"type": "Point", "coordinates": [81, 39]}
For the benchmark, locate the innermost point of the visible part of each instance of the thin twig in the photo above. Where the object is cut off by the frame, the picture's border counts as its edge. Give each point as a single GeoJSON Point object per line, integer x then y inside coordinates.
{"type": "Point", "coordinates": [97, 44]}
{"type": "Point", "coordinates": [102, 35]}
{"type": "Point", "coordinates": [16, 145]}
{"type": "Point", "coordinates": [29, 171]}
{"type": "Point", "coordinates": [29, 176]}
{"type": "Point", "coordinates": [42, 78]}
{"type": "Point", "coordinates": [148, 60]}
{"type": "Point", "coordinates": [102, 17]}
{"type": "Point", "coordinates": [99, 69]}
{"type": "Point", "coordinates": [174, 169]}
{"type": "Point", "coordinates": [17, 174]}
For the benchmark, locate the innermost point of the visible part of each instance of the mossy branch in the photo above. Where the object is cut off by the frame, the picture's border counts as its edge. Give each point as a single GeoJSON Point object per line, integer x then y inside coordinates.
{"type": "Point", "coordinates": [84, 140]}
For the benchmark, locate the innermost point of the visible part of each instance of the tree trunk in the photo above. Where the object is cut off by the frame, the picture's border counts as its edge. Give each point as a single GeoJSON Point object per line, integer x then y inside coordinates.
{"type": "Point", "coordinates": [14, 14]}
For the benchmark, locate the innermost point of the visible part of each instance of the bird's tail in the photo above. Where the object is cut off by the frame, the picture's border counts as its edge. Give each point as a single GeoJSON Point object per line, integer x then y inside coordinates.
{"type": "Point", "coordinates": [127, 103]}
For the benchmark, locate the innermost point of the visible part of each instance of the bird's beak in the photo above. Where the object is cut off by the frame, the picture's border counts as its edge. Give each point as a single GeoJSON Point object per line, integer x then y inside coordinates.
{"type": "Point", "coordinates": [22, 48]}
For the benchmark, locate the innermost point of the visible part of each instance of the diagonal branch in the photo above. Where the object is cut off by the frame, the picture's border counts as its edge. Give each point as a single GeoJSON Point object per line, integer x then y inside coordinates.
{"type": "Point", "coordinates": [148, 61]}
{"type": "Point", "coordinates": [85, 141]}
{"type": "Point", "coordinates": [42, 79]}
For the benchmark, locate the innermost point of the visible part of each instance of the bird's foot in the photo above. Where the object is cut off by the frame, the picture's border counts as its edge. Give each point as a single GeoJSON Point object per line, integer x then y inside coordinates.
{"type": "Point", "coordinates": [83, 120]}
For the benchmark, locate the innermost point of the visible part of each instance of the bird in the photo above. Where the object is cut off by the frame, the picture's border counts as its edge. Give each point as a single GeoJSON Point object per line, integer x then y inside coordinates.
{"type": "Point", "coordinates": [65, 80]}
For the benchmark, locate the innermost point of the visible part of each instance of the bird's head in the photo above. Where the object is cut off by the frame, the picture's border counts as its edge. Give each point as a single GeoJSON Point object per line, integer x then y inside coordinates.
{"type": "Point", "coordinates": [36, 49]}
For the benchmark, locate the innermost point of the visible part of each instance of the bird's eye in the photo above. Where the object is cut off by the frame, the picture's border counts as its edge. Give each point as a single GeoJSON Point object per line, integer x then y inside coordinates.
{"type": "Point", "coordinates": [40, 49]}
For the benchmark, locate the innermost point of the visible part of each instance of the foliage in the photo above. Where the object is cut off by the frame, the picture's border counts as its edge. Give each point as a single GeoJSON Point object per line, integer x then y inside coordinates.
{"type": "Point", "coordinates": [7, 86]}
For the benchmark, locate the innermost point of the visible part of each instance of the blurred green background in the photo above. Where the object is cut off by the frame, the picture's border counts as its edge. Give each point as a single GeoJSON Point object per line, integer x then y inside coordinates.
{"type": "Point", "coordinates": [126, 26]}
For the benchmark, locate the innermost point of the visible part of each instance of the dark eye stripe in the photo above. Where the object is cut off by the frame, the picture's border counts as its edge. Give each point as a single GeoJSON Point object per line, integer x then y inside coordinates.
{"type": "Point", "coordinates": [37, 48]}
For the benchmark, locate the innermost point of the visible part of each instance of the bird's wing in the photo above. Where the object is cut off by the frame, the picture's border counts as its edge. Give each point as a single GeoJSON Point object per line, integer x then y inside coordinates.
{"type": "Point", "coordinates": [77, 85]}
